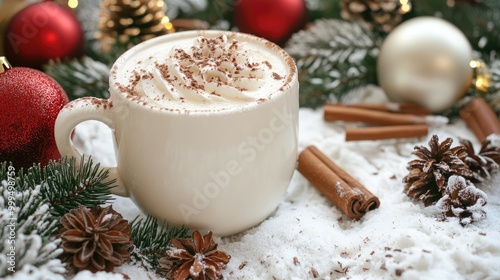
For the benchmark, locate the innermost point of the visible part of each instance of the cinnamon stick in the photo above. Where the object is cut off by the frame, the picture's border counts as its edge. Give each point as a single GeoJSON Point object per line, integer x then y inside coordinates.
{"type": "Point", "coordinates": [472, 123]}
{"type": "Point", "coordinates": [386, 132]}
{"type": "Point", "coordinates": [350, 196]}
{"type": "Point", "coordinates": [480, 118]}
{"type": "Point", "coordinates": [350, 114]}
{"type": "Point", "coordinates": [405, 108]}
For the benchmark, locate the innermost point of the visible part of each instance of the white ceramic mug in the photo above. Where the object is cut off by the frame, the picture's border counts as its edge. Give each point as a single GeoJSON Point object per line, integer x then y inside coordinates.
{"type": "Point", "coordinates": [221, 171]}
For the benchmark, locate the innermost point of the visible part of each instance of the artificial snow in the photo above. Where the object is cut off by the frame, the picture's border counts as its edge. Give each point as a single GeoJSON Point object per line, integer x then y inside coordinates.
{"type": "Point", "coordinates": [102, 275]}
{"type": "Point", "coordinates": [307, 237]}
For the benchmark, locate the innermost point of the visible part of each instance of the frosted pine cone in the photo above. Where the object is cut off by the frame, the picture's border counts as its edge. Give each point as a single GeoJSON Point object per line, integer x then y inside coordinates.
{"type": "Point", "coordinates": [430, 172]}
{"type": "Point", "coordinates": [197, 259]}
{"type": "Point", "coordinates": [463, 200]}
{"type": "Point", "coordinates": [95, 240]}
{"type": "Point", "coordinates": [484, 162]}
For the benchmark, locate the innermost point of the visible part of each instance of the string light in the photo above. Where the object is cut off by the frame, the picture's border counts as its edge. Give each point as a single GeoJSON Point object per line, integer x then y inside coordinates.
{"type": "Point", "coordinates": [405, 6]}
{"type": "Point", "coordinates": [482, 80]}
{"type": "Point", "coordinates": [168, 25]}
{"type": "Point", "coordinates": [73, 4]}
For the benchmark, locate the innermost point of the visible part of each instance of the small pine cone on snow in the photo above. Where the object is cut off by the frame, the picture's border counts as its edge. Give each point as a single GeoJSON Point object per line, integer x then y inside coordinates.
{"type": "Point", "coordinates": [383, 15]}
{"type": "Point", "coordinates": [463, 200]}
{"type": "Point", "coordinates": [429, 173]}
{"type": "Point", "coordinates": [198, 259]}
{"type": "Point", "coordinates": [483, 163]}
{"type": "Point", "coordinates": [95, 240]}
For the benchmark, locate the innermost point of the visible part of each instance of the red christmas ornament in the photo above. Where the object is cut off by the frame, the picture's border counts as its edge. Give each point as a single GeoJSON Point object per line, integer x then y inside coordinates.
{"type": "Point", "coordinates": [275, 20]}
{"type": "Point", "coordinates": [40, 32]}
{"type": "Point", "coordinates": [29, 104]}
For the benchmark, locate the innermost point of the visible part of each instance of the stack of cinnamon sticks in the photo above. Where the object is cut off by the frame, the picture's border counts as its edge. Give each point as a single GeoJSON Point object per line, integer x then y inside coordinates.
{"type": "Point", "coordinates": [393, 120]}
{"type": "Point", "coordinates": [342, 189]}
{"type": "Point", "coordinates": [480, 118]}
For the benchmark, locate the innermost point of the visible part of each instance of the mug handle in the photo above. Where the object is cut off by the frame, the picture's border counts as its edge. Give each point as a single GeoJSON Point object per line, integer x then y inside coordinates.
{"type": "Point", "coordinates": [80, 110]}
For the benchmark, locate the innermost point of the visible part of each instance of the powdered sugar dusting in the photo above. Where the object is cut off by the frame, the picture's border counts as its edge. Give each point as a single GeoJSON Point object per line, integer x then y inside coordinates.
{"type": "Point", "coordinates": [102, 275]}
{"type": "Point", "coordinates": [107, 217]}
{"type": "Point", "coordinates": [463, 200]}
{"type": "Point", "coordinates": [357, 191]}
{"type": "Point", "coordinates": [495, 139]}
{"type": "Point", "coordinates": [436, 121]}
{"type": "Point", "coordinates": [340, 189]}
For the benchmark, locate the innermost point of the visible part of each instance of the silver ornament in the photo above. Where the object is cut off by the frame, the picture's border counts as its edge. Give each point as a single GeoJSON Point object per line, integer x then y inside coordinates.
{"type": "Point", "coordinates": [425, 60]}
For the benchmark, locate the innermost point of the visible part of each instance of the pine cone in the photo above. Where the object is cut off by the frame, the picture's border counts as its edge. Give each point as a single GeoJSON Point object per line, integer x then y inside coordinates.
{"type": "Point", "coordinates": [484, 162]}
{"type": "Point", "coordinates": [382, 15]}
{"type": "Point", "coordinates": [198, 259]}
{"type": "Point", "coordinates": [492, 149]}
{"type": "Point", "coordinates": [429, 173]}
{"type": "Point", "coordinates": [131, 22]}
{"type": "Point", "coordinates": [95, 240]}
{"type": "Point", "coordinates": [463, 200]}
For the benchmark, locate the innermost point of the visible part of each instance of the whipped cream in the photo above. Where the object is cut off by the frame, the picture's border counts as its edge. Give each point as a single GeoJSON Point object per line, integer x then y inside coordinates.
{"type": "Point", "coordinates": [205, 74]}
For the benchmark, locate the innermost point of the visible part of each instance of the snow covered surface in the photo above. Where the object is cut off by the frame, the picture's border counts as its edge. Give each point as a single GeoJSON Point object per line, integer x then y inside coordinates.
{"type": "Point", "coordinates": [308, 237]}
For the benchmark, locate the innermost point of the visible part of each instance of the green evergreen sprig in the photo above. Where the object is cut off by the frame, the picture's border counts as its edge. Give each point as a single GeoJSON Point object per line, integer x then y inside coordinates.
{"type": "Point", "coordinates": [333, 57]}
{"type": "Point", "coordinates": [43, 195]}
{"type": "Point", "coordinates": [31, 208]}
{"type": "Point", "coordinates": [81, 77]}
{"type": "Point", "coordinates": [67, 185]}
{"type": "Point", "coordinates": [151, 240]}
{"type": "Point", "coordinates": [321, 9]}
{"type": "Point", "coordinates": [479, 20]}
{"type": "Point", "coordinates": [64, 185]}
{"type": "Point", "coordinates": [492, 96]}
{"type": "Point", "coordinates": [212, 12]}
{"type": "Point", "coordinates": [27, 228]}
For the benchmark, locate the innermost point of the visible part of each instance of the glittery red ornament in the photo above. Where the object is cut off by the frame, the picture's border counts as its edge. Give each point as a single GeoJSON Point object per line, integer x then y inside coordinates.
{"type": "Point", "coordinates": [29, 104]}
{"type": "Point", "coordinates": [275, 20]}
{"type": "Point", "coordinates": [40, 32]}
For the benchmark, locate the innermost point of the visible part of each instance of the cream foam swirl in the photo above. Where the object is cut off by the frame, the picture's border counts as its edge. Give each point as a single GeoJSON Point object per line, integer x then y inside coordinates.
{"type": "Point", "coordinates": [213, 71]}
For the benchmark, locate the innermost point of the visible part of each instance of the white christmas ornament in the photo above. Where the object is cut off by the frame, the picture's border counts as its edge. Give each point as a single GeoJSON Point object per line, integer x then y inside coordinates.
{"type": "Point", "coordinates": [425, 60]}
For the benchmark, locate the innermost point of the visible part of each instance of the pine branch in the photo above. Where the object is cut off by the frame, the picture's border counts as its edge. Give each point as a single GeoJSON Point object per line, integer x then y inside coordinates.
{"type": "Point", "coordinates": [493, 94]}
{"type": "Point", "coordinates": [151, 240]}
{"type": "Point", "coordinates": [81, 77]}
{"type": "Point", "coordinates": [318, 9]}
{"type": "Point", "coordinates": [333, 57]}
{"type": "Point", "coordinates": [31, 203]}
{"type": "Point", "coordinates": [88, 14]}
{"type": "Point", "coordinates": [478, 21]}
{"type": "Point", "coordinates": [485, 84]}
{"type": "Point", "coordinates": [26, 227]}
{"type": "Point", "coordinates": [199, 9]}
{"type": "Point", "coordinates": [31, 213]}
{"type": "Point", "coordinates": [67, 186]}
{"type": "Point", "coordinates": [108, 58]}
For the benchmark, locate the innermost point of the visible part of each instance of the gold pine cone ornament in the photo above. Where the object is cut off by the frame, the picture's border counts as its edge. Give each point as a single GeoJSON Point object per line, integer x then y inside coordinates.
{"type": "Point", "coordinates": [382, 15]}
{"type": "Point", "coordinates": [131, 21]}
